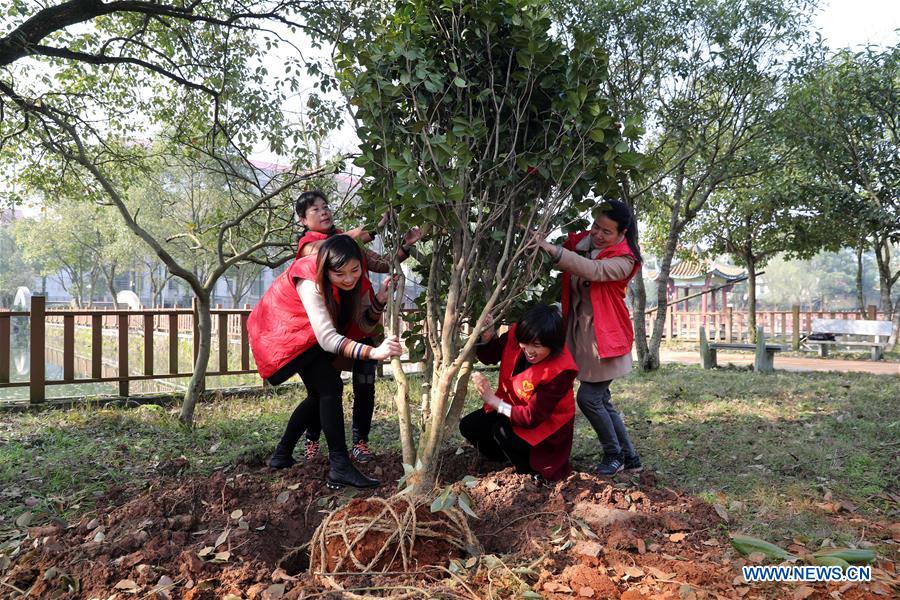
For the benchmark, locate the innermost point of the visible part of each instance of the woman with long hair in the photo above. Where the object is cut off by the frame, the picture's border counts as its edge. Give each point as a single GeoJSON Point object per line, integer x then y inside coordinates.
{"type": "Point", "coordinates": [298, 328]}
{"type": "Point", "coordinates": [597, 266]}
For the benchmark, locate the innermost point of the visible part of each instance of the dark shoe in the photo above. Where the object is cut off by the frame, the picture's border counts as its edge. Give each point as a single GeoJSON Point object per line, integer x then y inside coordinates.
{"type": "Point", "coordinates": [343, 473]}
{"type": "Point", "coordinates": [361, 452]}
{"type": "Point", "coordinates": [282, 457]}
{"type": "Point", "coordinates": [312, 450]}
{"type": "Point", "coordinates": [633, 464]}
{"type": "Point", "coordinates": [610, 465]}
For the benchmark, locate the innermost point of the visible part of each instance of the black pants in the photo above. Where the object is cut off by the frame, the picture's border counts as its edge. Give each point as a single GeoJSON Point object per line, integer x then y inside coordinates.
{"type": "Point", "coordinates": [324, 398]}
{"type": "Point", "coordinates": [363, 400]}
{"type": "Point", "coordinates": [492, 434]}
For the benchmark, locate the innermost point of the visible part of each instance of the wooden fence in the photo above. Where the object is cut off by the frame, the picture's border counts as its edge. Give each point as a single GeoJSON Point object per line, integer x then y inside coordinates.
{"type": "Point", "coordinates": [728, 326]}
{"type": "Point", "coordinates": [229, 330]}
{"type": "Point", "coordinates": [228, 326]}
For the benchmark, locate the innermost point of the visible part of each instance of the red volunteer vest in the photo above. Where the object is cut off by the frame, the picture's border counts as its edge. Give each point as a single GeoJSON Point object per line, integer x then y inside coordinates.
{"type": "Point", "coordinates": [278, 326]}
{"type": "Point", "coordinates": [518, 389]}
{"type": "Point", "coordinates": [353, 331]}
{"type": "Point", "coordinates": [612, 322]}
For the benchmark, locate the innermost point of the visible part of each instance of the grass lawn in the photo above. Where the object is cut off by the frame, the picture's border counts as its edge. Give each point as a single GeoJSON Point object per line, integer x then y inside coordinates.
{"type": "Point", "coordinates": [787, 455]}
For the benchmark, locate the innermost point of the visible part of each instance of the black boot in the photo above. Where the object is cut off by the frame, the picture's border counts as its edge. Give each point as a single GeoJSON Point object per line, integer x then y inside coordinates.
{"type": "Point", "coordinates": [282, 457]}
{"type": "Point", "coordinates": [343, 473]}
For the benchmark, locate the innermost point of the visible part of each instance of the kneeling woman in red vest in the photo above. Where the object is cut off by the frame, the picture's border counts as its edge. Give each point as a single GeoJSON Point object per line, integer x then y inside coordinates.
{"type": "Point", "coordinates": [530, 419]}
{"type": "Point", "coordinates": [297, 329]}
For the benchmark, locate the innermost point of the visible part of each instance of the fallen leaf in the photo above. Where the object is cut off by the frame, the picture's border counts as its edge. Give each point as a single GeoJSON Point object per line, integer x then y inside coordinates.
{"type": "Point", "coordinates": [205, 551]}
{"type": "Point", "coordinates": [803, 592]}
{"type": "Point", "coordinates": [24, 519]}
{"type": "Point", "coordinates": [294, 486]}
{"type": "Point", "coordinates": [273, 592]}
{"type": "Point", "coordinates": [237, 514]}
{"type": "Point", "coordinates": [895, 531]}
{"type": "Point", "coordinates": [756, 557]}
{"type": "Point", "coordinates": [710, 542]}
{"type": "Point", "coordinates": [720, 510]}
{"type": "Point", "coordinates": [634, 572]}
{"type": "Point", "coordinates": [223, 537]}
{"type": "Point", "coordinates": [281, 575]}
{"type": "Point", "coordinates": [687, 592]}
{"type": "Point", "coordinates": [232, 597]}
{"type": "Point", "coordinates": [222, 556]}
{"type": "Point", "coordinates": [659, 574]}
{"type": "Point", "coordinates": [100, 536]}
{"type": "Point", "coordinates": [586, 592]}
{"type": "Point", "coordinates": [283, 497]}
{"type": "Point", "coordinates": [677, 537]}
{"type": "Point", "coordinates": [127, 585]}
{"type": "Point", "coordinates": [742, 590]}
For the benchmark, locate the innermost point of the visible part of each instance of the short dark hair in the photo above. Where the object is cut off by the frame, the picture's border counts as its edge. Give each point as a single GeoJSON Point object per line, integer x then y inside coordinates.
{"type": "Point", "coordinates": [542, 323]}
{"type": "Point", "coordinates": [306, 199]}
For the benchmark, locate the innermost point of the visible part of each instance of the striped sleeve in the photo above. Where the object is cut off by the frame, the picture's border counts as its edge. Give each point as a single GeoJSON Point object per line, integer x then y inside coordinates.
{"type": "Point", "coordinates": [323, 327]}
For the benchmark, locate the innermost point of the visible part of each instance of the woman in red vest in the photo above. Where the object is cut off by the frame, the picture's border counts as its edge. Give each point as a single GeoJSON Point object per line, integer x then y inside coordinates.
{"type": "Point", "coordinates": [530, 419]}
{"type": "Point", "coordinates": [315, 215]}
{"type": "Point", "coordinates": [296, 328]}
{"type": "Point", "coordinates": [597, 266]}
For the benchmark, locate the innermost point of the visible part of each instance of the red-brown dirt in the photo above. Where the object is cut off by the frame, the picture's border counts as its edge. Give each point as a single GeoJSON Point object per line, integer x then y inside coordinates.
{"type": "Point", "coordinates": [241, 531]}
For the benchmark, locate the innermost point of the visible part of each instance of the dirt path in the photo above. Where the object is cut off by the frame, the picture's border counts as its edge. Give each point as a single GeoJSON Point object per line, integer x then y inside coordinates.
{"type": "Point", "coordinates": [788, 363]}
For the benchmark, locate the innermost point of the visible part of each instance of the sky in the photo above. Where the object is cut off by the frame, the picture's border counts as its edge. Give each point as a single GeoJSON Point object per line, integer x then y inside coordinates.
{"type": "Point", "coordinates": [859, 22]}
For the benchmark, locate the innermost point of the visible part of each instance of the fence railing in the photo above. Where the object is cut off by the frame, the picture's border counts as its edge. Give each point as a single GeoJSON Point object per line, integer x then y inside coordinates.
{"type": "Point", "coordinates": [229, 327]}
{"type": "Point", "coordinates": [229, 339]}
{"type": "Point", "coordinates": [729, 325]}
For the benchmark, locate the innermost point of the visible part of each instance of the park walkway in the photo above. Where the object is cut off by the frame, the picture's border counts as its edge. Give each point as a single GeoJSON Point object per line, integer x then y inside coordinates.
{"type": "Point", "coordinates": [786, 363]}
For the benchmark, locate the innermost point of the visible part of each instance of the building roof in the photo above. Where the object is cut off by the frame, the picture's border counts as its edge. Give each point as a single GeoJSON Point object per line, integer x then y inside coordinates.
{"type": "Point", "coordinates": [697, 270]}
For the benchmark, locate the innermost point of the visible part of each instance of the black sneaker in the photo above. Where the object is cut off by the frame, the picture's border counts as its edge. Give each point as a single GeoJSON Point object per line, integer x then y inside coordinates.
{"type": "Point", "coordinates": [610, 465]}
{"type": "Point", "coordinates": [361, 452]}
{"type": "Point", "coordinates": [633, 464]}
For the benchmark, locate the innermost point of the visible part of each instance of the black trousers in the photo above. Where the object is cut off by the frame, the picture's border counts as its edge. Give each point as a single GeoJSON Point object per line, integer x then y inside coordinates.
{"type": "Point", "coordinates": [363, 401]}
{"type": "Point", "coordinates": [492, 434]}
{"type": "Point", "coordinates": [324, 399]}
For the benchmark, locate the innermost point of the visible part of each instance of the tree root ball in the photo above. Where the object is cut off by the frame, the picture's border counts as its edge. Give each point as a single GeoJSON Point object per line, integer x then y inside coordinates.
{"type": "Point", "coordinates": [399, 533]}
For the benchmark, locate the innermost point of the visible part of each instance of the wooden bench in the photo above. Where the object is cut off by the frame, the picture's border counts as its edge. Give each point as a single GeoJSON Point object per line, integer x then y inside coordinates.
{"type": "Point", "coordinates": [765, 353]}
{"type": "Point", "coordinates": [860, 333]}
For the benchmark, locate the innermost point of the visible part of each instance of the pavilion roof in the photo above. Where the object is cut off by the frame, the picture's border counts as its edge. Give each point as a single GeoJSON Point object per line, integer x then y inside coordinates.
{"type": "Point", "coordinates": [695, 269]}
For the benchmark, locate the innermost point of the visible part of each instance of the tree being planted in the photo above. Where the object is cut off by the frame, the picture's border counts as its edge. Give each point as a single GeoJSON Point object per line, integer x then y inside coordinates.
{"type": "Point", "coordinates": [478, 125]}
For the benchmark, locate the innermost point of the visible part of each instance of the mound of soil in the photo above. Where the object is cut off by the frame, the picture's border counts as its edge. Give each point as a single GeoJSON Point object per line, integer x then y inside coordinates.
{"type": "Point", "coordinates": [242, 532]}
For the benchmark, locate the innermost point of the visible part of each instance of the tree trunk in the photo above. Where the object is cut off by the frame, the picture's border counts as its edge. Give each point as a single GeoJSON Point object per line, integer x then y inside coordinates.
{"type": "Point", "coordinates": [639, 316]}
{"type": "Point", "coordinates": [884, 274]}
{"type": "Point", "coordinates": [110, 277]}
{"type": "Point", "coordinates": [425, 476]}
{"type": "Point", "coordinates": [860, 297]}
{"type": "Point", "coordinates": [895, 331]}
{"type": "Point", "coordinates": [650, 362]}
{"type": "Point", "coordinates": [196, 386]}
{"type": "Point", "coordinates": [751, 298]}
{"type": "Point", "coordinates": [460, 392]}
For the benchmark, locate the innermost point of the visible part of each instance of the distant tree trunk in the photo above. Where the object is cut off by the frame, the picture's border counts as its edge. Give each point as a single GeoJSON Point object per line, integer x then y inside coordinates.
{"type": "Point", "coordinates": [885, 279]}
{"type": "Point", "coordinates": [650, 362]}
{"type": "Point", "coordinates": [204, 330]}
{"type": "Point", "coordinates": [751, 297]}
{"type": "Point", "coordinates": [639, 308]}
{"type": "Point", "coordinates": [860, 296]}
{"type": "Point", "coordinates": [895, 331]}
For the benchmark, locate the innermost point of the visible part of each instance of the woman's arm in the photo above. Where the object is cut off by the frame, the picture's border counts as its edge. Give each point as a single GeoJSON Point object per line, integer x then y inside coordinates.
{"type": "Point", "coordinates": [542, 403]}
{"type": "Point", "coordinates": [491, 351]}
{"type": "Point", "coordinates": [606, 269]}
{"type": "Point", "coordinates": [323, 327]}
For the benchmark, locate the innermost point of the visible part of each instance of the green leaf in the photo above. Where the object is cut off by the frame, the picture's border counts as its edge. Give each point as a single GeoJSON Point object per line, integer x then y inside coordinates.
{"type": "Point", "coordinates": [459, 82]}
